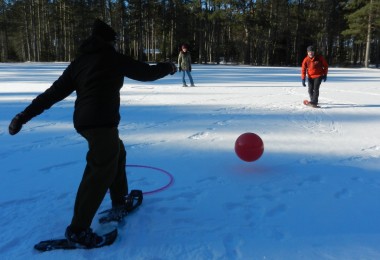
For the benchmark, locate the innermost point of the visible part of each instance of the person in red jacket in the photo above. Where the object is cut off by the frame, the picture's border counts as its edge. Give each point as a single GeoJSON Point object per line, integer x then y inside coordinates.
{"type": "Point", "coordinates": [316, 68]}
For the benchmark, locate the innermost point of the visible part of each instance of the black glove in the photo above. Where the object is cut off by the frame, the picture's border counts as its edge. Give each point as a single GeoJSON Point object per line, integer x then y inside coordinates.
{"type": "Point", "coordinates": [190, 69]}
{"type": "Point", "coordinates": [324, 77]}
{"type": "Point", "coordinates": [16, 124]}
{"type": "Point", "coordinates": [174, 68]}
{"type": "Point", "coordinates": [180, 68]}
{"type": "Point", "coordinates": [303, 83]}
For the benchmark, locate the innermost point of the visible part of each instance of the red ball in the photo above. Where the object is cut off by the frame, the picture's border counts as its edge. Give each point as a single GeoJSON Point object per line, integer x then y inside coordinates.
{"type": "Point", "coordinates": [249, 147]}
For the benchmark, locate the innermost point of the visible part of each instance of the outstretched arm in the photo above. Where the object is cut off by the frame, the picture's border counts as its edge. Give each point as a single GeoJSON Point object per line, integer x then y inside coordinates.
{"type": "Point", "coordinates": [60, 89]}
{"type": "Point", "coordinates": [142, 71]}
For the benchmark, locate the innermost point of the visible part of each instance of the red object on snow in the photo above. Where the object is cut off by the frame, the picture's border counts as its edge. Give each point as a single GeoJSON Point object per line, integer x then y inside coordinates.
{"type": "Point", "coordinates": [249, 147]}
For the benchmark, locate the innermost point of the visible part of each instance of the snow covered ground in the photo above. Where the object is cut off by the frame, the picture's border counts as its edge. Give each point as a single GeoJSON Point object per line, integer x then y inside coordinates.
{"type": "Point", "coordinates": [314, 194]}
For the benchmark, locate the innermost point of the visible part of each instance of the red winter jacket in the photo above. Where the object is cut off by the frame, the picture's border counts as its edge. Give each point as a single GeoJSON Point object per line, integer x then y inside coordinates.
{"type": "Point", "coordinates": [314, 67]}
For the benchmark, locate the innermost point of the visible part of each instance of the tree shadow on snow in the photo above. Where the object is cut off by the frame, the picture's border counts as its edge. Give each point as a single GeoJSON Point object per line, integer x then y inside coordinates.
{"type": "Point", "coordinates": [342, 105]}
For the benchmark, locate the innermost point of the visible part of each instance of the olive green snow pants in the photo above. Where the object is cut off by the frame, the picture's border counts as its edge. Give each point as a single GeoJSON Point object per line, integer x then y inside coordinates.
{"type": "Point", "coordinates": [105, 169]}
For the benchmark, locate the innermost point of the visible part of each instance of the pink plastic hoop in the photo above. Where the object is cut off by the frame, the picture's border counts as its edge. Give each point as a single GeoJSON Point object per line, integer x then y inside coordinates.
{"type": "Point", "coordinates": [171, 178]}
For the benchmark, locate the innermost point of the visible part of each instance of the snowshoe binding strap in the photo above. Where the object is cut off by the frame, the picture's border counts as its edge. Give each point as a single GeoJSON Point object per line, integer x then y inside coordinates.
{"type": "Point", "coordinates": [134, 199]}
{"type": "Point", "coordinates": [117, 214]}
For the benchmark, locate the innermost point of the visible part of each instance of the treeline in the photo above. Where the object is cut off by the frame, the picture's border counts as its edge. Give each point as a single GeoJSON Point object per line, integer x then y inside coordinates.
{"type": "Point", "coordinates": [256, 32]}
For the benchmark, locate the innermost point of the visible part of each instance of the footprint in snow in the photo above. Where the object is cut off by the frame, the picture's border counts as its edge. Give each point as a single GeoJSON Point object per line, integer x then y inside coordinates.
{"type": "Point", "coordinates": [277, 210]}
{"type": "Point", "coordinates": [231, 245]}
{"type": "Point", "coordinates": [343, 194]}
{"type": "Point", "coordinates": [311, 179]}
{"type": "Point", "coordinates": [373, 151]}
{"type": "Point", "coordinates": [199, 135]}
{"type": "Point", "coordinates": [277, 234]}
{"type": "Point", "coordinates": [223, 123]}
{"type": "Point", "coordinates": [58, 166]}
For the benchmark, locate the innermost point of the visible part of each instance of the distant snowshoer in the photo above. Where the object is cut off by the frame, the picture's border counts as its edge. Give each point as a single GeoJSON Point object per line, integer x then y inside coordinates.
{"type": "Point", "coordinates": [184, 65]}
{"type": "Point", "coordinates": [316, 68]}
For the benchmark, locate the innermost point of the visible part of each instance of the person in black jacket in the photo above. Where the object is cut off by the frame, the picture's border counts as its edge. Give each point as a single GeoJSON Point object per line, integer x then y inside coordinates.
{"type": "Point", "coordinates": [96, 75]}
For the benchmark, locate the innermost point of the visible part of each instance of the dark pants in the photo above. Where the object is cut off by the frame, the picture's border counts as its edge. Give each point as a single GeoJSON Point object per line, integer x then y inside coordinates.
{"type": "Point", "coordinates": [313, 85]}
{"type": "Point", "coordinates": [105, 170]}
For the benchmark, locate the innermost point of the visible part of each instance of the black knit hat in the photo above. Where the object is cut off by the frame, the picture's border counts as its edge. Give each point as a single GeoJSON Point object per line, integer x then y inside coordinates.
{"type": "Point", "coordinates": [310, 48]}
{"type": "Point", "coordinates": [103, 30]}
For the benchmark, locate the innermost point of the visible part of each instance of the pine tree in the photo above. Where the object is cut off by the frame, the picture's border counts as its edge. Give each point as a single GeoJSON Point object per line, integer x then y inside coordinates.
{"type": "Point", "coordinates": [363, 21]}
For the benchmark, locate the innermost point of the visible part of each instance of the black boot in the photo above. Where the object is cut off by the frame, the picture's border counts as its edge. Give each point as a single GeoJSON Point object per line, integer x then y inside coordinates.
{"type": "Point", "coordinates": [84, 237]}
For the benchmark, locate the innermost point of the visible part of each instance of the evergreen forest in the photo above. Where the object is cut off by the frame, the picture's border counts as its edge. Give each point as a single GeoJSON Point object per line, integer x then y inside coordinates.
{"type": "Point", "coordinates": [252, 32]}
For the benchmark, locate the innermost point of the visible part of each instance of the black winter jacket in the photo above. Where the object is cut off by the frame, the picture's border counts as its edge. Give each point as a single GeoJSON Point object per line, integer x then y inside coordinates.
{"type": "Point", "coordinates": [97, 76]}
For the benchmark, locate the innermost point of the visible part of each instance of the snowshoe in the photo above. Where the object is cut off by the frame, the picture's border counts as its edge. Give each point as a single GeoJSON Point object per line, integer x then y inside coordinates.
{"type": "Point", "coordinates": [118, 212]}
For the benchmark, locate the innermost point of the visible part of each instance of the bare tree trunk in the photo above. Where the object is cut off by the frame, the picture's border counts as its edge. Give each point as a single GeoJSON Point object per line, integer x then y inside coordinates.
{"type": "Point", "coordinates": [200, 36]}
{"type": "Point", "coordinates": [140, 30]}
{"type": "Point", "coordinates": [268, 43]}
{"type": "Point", "coordinates": [172, 38]}
{"type": "Point", "coordinates": [368, 43]}
{"type": "Point", "coordinates": [28, 40]}
{"type": "Point", "coordinates": [34, 30]}
{"type": "Point", "coordinates": [38, 33]}
{"type": "Point", "coordinates": [4, 37]}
